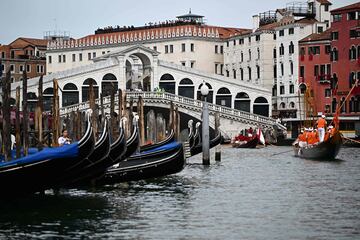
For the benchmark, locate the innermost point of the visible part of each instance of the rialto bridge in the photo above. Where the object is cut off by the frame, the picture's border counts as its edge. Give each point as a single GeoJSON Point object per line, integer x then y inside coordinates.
{"type": "Point", "coordinates": [240, 104]}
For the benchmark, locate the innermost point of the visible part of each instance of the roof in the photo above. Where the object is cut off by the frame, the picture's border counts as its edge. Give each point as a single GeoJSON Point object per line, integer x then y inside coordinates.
{"type": "Point", "coordinates": [270, 26]}
{"type": "Point", "coordinates": [324, 2]}
{"type": "Point", "coordinates": [306, 20]}
{"type": "Point", "coordinates": [348, 7]}
{"type": "Point", "coordinates": [326, 35]}
{"type": "Point", "coordinates": [22, 42]}
{"type": "Point", "coordinates": [224, 32]}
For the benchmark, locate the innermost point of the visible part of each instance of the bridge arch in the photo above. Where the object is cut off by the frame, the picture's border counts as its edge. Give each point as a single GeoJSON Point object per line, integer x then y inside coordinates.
{"type": "Point", "coordinates": [86, 87]}
{"type": "Point", "coordinates": [261, 106]}
{"type": "Point", "coordinates": [70, 95]}
{"type": "Point", "coordinates": [167, 82]}
{"type": "Point", "coordinates": [242, 102]}
{"type": "Point", "coordinates": [223, 97]}
{"type": "Point", "coordinates": [186, 88]}
{"type": "Point", "coordinates": [108, 83]}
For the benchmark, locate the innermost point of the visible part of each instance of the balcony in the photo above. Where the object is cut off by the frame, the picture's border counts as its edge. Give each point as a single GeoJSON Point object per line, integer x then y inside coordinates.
{"type": "Point", "coordinates": [323, 78]}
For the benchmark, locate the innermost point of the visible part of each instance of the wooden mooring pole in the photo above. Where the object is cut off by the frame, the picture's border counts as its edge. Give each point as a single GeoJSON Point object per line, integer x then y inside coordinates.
{"type": "Point", "coordinates": [6, 117]}
{"type": "Point", "coordinates": [17, 124]}
{"type": "Point", "coordinates": [39, 114]}
{"type": "Point", "coordinates": [25, 116]}
{"type": "Point", "coordinates": [92, 107]}
{"type": "Point", "coordinates": [55, 111]}
{"type": "Point", "coordinates": [141, 124]}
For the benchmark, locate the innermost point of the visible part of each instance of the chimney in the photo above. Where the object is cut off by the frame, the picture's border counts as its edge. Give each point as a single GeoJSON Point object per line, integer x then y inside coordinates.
{"type": "Point", "coordinates": [256, 22]}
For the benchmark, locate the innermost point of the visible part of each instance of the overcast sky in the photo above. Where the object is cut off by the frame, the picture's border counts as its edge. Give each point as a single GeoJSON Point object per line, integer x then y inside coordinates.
{"type": "Point", "coordinates": [31, 18]}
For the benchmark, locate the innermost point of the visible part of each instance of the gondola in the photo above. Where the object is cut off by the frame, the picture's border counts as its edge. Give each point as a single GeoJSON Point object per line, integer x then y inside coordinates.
{"type": "Point", "coordinates": [132, 143]}
{"type": "Point", "coordinates": [249, 144]}
{"type": "Point", "coordinates": [167, 140]}
{"type": "Point", "coordinates": [164, 160]}
{"type": "Point", "coordinates": [326, 150]}
{"type": "Point", "coordinates": [196, 140]}
{"type": "Point", "coordinates": [38, 171]}
{"type": "Point", "coordinates": [98, 161]}
{"type": "Point", "coordinates": [213, 142]}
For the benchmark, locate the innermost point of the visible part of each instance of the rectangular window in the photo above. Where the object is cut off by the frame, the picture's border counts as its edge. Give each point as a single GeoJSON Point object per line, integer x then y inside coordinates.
{"type": "Point", "coordinates": [258, 72]}
{"type": "Point", "coordinates": [227, 44]}
{"type": "Point", "coordinates": [59, 60]}
{"type": "Point", "coordinates": [326, 8]}
{"type": "Point", "coordinates": [241, 41]}
{"type": "Point", "coordinates": [242, 74]}
{"type": "Point", "coordinates": [216, 48]}
{"type": "Point", "coordinates": [227, 73]}
{"type": "Point", "coordinates": [274, 36]}
{"type": "Point", "coordinates": [73, 57]}
{"type": "Point", "coordinates": [49, 60]}
{"type": "Point", "coordinates": [234, 42]}
{"type": "Point", "coordinates": [12, 68]}
{"type": "Point", "coordinates": [328, 70]}
{"type": "Point", "coordinates": [282, 90]}
{"type": "Point", "coordinates": [192, 47]}
{"type": "Point", "coordinates": [12, 54]}
{"type": "Point", "coordinates": [28, 68]}
{"type": "Point", "coordinates": [249, 70]}
{"type": "Point", "coordinates": [351, 15]}
{"type": "Point", "coordinates": [183, 47]}
{"type": "Point", "coordinates": [2, 54]}
{"type": "Point", "coordinates": [249, 38]}
{"type": "Point", "coordinates": [291, 89]}
{"type": "Point", "coordinates": [353, 34]}
{"type": "Point", "coordinates": [94, 54]}
{"type": "Point", "coordinates": [281, 33]}
{"type": "Point", "coordinates": [192, 64]}
{"type": "Point", "coordinates": [38, 68]}
{"type": "Point", "coordinates": [327, 49]}
{"type": "Point", "coordinates": [21, 68]}
{"type": "Point", "coordinates": [155, 48]}
{"type": "Point", "coordinates": [216, 68]}
{"type": "Point", "coordinates": [64, 58]}
{"type": "Point", "coordinates": [222, 49]}
{"type": "Point", "coordinates": [302, 71]}
{"type": "Point", "coordinates": [183, 63]}
{"type": "Point", "coordinates": [257, 38]}
{"type": "Point", "coordinates": [320, 29]}
{"type": "Point", "coordinates": [291, 31]}
{"type": "Point", "coordinates": [166, 49]}
{"type": "Point", "coordinates": [334, 35]}
{"type": "Point", "coordinates": [80, 57]}
{"type": "Point", "coordinates": [89, 56]}
{"type": "Point", "coordinates": [327, 92]}
{"type": "Point", "coordinates": [221, 69]}
{"type": "Point", "coordinates": [171, 48]}
{"type": "Point", "coordinates": [337, 17]}
{"type": "Point", "coordinates": [234, 73]}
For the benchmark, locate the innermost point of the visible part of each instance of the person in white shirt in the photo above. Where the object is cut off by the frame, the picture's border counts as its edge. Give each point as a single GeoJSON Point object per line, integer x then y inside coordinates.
{"type": "Point", "coordinates": [64, 139]}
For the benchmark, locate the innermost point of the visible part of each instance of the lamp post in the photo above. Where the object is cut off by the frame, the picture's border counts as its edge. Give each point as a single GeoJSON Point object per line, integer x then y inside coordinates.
{"type": "Point", "coordinates": [205, 125]}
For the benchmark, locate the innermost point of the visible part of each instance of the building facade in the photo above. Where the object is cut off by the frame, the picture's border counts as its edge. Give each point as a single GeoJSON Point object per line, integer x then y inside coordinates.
{"type": "Point", "coordinates": [24, 54]}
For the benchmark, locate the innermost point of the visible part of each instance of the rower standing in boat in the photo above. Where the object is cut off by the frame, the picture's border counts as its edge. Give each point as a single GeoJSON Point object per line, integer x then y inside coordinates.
{"type": "Point", "coordinates": [64, 138]}
{"type": "Point", "coordinates": [321, 124]}
{"type": "Point", "coordinates": [302, 139]}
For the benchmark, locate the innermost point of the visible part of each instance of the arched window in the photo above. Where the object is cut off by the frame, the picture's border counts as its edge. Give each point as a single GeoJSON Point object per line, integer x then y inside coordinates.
{"type": "Point", "coordinates": [249, 54]}
{"type": "Point", "coordinates": [258, 71]}
{"type": "Point", "coordinates": [334, 55]}
{"type": "Point", "coordinates": [357, 104]}
{"type": "Point", "coordinates": [281, 49]}
{"type": "Point", "coordinates": [282, 105]}
{"type": "Point", "coordinates": [109, 83]}
{"type": "Point", "coordinates": [249, 72]}
{"type": "Point", "coordinates": [70, 95]}
{"type": "Point", "coordinates": [352, 53]}
{"type": "Point", "coordinates": [223, 97]}
{"type": "Point", "coordinates": [343, 104]}
{"type": "Point", "coordinates": [241, 56]}
{"type": "Point", "coordinates": [242, 102]}
{"type": "Point", "coordinates": [282, 69]}
{"type": "Point", "coordinates": [48, 95]}
{"type": "Point", "coordinates": [291, 105]}
{"type": "Point", "coordinates": [261, 106]}
{"type": "Point", "coordinates": [258, 53]}
{"type": "Point", "coordinates": [291, 68]}
{"type": "Point", "coordinates": [186, 88]}
{"type": "Point", "coordinates": [274, 91]}
{"type": "Point", "coordinates": [302, 88]}
{"type": "Point", "coordinates": [291, 48]}
{"type": "Point", "coordinates": [352, 105]}
{"type": "Point", "coordinates": [241, 73]}
{"type": "Point", "coordinates": [167, 82]}
{"type": "Point", "coordinates": [86, 87]}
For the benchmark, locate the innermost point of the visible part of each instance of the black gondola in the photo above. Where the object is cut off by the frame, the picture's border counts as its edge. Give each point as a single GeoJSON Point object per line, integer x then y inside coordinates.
{"type": "Point", "coordinates": [213, 142]}
{"type": "Point", "coordinates": [326, 150]}
{"type": "Point", "coordinates": [96, 163]}
{"type": "Point", "coordinates": [37, 172]}
{"type": "Point", "coordinates": [132, 143]}
{"type": "Point", "coordinates": [167, 140]}
{"type": "Point", "coordinates": [165, 160]}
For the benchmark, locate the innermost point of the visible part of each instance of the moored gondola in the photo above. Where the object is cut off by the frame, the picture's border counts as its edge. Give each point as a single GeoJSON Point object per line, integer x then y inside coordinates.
{"type": "Point", "coordinates": [37, 172]}
{"type": "Point", "coordinates": [132, 143]}
{"type": "Point", "coordinates": [213, 142]}
{"type": "Point", "coordinates": [167, 140]}
{"type": "Point", "coordinates": [326, 150]}
{"type": "Point", "coordinates": [164, 160]}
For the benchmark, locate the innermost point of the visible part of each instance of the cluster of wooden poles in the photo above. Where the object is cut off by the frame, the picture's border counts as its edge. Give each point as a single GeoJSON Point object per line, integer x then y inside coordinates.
{"type": "Point", "coordinates": [46, 134]}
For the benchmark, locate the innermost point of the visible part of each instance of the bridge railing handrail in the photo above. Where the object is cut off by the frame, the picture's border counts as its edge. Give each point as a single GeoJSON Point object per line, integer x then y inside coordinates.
{"type": "Point", "coordinates": [176, 99]}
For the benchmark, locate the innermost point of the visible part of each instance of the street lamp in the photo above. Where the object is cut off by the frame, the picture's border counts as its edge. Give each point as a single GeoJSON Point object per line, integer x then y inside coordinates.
{"type": "Point", "coordinates": [205, 125]}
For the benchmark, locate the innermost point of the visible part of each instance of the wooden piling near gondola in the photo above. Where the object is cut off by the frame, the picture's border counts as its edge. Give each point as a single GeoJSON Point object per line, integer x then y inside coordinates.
{"type": "Point", "coordinates": [124, 114]}
{"type": "Point", "coordinates": [112, 114]}
{"type": "Point", "coordinates": [92, 107]}
{"type": "Point", "coordinates": [177, 123]}
{"type": "Point", "coordinates": [140, 111]}
{"type": "Point", "coordinates": [17, 124]}
{"type": "Point", "coordinates": [131, 115]}
{"type": "Point", "coordinates": [6, 117]}
{"type": "Point", "coordinates": [55, 117]}
{"type": "Point", "coordinates": [25, 116]}
{"type": "Point", "coordinates": [171, 117]}
{"type": "Point", "coordinates": [102, 107]}
{"type": "Point", "coordinates": [38, 114]}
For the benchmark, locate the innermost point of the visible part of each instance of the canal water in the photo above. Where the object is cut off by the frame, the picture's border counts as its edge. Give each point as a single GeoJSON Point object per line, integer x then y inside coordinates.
{"type": "Point", "coordinates": [252, 194]}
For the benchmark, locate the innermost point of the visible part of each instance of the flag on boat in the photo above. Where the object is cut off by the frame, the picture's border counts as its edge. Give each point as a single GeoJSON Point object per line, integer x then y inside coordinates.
{"type": "Point", "coordinates": [260, 136]}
